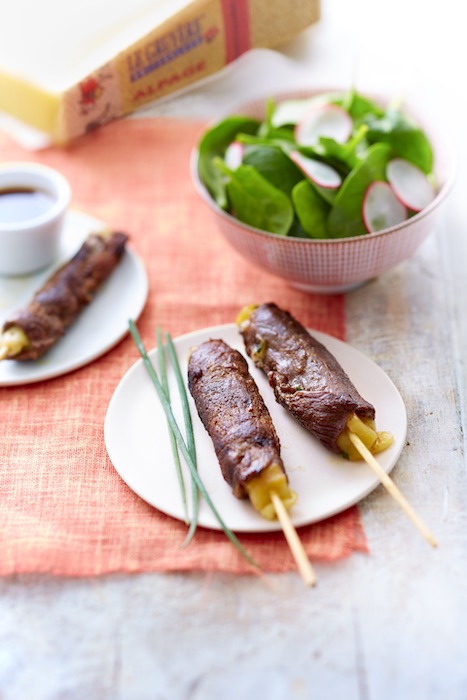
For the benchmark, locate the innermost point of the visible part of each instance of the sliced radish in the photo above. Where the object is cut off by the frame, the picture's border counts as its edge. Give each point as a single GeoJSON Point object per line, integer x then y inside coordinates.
{"type": "Point", "coordinates": [327, 120]}
{"type": "Point", "coordinates": [293, 111]}
{"type": "Point", "coordinates": [410, 184]}
{"type": "Point", "coordinates": [381, 208]}
{"type": "Point", "coordinates": [234, 155]}
{"type": "Point", "coordinates": [320, 173]}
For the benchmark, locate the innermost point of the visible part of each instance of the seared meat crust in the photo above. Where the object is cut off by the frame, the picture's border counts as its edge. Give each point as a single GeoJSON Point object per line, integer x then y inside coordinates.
{"type": "Point", "coordinates": [306, 378]}
{"type": "Point", "coordinates": [233, 413]}
{"type": "Point", "coordinates": [56, 305]}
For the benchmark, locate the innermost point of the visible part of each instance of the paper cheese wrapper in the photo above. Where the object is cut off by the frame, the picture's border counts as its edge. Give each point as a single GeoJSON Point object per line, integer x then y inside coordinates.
{"type": "Point", "coordinates": [196, 42]}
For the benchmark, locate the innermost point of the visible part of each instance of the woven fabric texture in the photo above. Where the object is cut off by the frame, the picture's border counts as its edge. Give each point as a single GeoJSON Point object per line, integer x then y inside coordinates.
{"type": "Point", "coordinates": [65, 509]}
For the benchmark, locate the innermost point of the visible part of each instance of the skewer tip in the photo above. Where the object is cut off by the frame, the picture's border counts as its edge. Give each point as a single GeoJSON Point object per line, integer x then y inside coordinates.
{"type": "Point", "coordinates": [296, 546]}
{"type": "Point", "coordinates": [391, 487]}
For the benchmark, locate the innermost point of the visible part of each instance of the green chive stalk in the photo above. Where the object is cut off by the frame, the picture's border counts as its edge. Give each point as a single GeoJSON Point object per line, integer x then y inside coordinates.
{"type": "Point", "coordinates": [182, 445]}
{"type": "Point", "coordinates": [173, 441]}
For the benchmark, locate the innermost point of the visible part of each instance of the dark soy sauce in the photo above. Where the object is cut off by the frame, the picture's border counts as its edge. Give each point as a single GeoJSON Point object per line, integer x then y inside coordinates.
{"type": "Point", "coordinates": [18, 204]}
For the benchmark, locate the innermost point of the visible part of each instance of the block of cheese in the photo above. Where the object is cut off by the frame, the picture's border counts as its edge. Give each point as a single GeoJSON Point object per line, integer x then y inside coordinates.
{"type": "Point", "coordinates": [69, 67]}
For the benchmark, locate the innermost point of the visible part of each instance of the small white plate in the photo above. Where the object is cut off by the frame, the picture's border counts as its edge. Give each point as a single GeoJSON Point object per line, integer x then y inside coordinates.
{"type": "Point", "coordinates": [98, 328]}
{"type": "Point", "coordinates": [137, 441]}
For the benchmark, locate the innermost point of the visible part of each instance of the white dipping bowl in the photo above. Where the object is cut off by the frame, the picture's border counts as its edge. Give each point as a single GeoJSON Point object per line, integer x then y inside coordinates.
{"type": "Point", "coordinates": [31, 243]}
{"type": "Point", "coordinates": [336, 265]}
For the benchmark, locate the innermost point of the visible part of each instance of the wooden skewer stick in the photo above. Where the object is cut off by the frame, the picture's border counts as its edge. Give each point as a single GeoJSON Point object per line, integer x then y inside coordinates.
{"type": "Point", "coordinates": [389, 484]}
{"type": "Point", "coordinates": [293, 540]}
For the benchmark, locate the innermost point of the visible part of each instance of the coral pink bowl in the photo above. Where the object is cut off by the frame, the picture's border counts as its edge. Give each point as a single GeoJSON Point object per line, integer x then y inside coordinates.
{"type": "Point", "coordinates": [336, 265]}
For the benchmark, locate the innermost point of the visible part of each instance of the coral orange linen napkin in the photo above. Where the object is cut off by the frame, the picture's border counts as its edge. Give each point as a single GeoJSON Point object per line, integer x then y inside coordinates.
{"type": "Point", "coordinates": [64, 509]}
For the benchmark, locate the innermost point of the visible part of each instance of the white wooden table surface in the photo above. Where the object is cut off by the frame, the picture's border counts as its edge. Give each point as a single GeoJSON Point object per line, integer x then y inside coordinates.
{"type": "Point", "coordinates": [388, 626]}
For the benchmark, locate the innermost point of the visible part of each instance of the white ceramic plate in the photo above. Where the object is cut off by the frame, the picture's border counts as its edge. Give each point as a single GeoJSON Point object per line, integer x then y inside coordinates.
{"type": "Point", "coordinates": [138, 444]}
{"type": "Point", "coordinates": [100, 325]}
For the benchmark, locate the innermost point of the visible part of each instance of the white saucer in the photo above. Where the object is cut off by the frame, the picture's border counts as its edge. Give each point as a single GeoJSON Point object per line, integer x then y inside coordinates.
{"type": "Point", "coordinates": [138, 444]}
{"type": "Point", "coordinates": [100, 325]}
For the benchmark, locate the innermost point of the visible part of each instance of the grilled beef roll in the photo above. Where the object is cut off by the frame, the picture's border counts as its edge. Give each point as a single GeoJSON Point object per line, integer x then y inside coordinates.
{"type": "Point", "coordinates": [305, 377]}
{"type": "Point", "coordinates": [32, 331]}
{"type": "Point", "coordinates": [239, 424]}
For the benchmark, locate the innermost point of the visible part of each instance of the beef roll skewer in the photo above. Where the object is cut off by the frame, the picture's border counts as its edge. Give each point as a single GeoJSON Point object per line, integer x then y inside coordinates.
{"type": "Point", "coordinates": [234, 414]}
{"type": "Point", "coordinates": [244, 438]}
{"type": "Point", "coordinates": [308, 380]}
{"type": "Point", "coordinates": [32, 331]}
{"type": "Point", "coordinates": [310, 383]}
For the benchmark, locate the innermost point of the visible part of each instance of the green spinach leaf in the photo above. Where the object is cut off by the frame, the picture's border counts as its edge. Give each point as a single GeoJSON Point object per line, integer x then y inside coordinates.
{"type": "Point", "coordinates": [214, 143]}
{"type": "Point", "coordinates": [255, 201]}
{"type": "Point", "coordinates": [359, 106]}
{"type": "Point", "coordinates": [311, 209]}
{"type": "Point", "coordinates": [406, 138]}
{"type": "Point", "coordinates": [275, 166]}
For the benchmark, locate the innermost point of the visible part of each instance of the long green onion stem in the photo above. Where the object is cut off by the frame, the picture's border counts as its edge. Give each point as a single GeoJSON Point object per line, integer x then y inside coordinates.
{"type": "Point", "coordinates": [173, 441]}
{"type": "Point", "coordinates": [182, 445]}
{"type": "Point", "coordinates": [190, 437]}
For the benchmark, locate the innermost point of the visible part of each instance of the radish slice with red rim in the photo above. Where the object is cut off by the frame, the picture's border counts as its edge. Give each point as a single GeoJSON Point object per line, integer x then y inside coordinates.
{"type": "Point", "coordinates": [327, 120]}
{"type": "Point", "coordinates": [320, 173]}
{"type": "Point", "coordinates": [381, 209]}
{"type": "Point", "coordinates": [410, 184]}
{"type": "Point", "coordinates": [234, 155]}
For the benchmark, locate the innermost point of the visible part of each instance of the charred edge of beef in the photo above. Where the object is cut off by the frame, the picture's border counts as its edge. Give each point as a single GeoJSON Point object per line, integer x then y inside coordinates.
{"type": "Point", "coordinates": [233, 413]}
{"type": "Point", "coordinates": [306, 378]}
{"type": "Point", "coordinates": [72, 287]}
